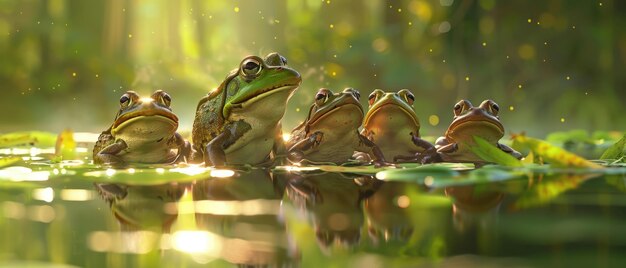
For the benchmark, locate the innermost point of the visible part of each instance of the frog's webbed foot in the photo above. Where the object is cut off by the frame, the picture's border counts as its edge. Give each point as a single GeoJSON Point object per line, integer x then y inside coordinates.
{"type": "Point", "coordinates": [379, 158]}
{"type": "Point", "coordinates": [428, 156]}
{"type": "Point", "coordinates": [108, 155]}
{"type": "Point", "coordinates": [510, 151]}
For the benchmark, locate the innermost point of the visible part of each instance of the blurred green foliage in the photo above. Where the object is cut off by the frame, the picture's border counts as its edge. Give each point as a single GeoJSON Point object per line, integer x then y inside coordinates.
{"type": "Point", "coordinates": [552, 65]}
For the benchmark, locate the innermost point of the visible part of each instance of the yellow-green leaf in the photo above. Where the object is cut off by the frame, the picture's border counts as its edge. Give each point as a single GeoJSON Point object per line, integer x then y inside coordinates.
{"type": "Point", "coordinates": [616, 151]}
{"type": "Point", "coordinates": [554, 155]}
{"type": "Point", "coordinates": [65, 145]}
{"type": "Point", "coordinates": [493, 154]}
{"type": "Point", "coordinates": [36, 138]}
{"type": "Point", "coordinates": [7, 161]}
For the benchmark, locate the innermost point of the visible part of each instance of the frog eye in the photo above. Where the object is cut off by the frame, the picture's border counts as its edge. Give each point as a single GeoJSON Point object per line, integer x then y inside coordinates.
{"type": "Point", "coordinates": [458, 108]}
{"type": "Point", "coordinates": [322, 96]}
{"type": "Point", "coordinates": [373, 97]}
{"type": "Point", "coordinates": [357, 94]}
{"type": "Point", "coordinates": [251, 67]}
{"type": "Point", "coordinates": [495, 108]}
{"type": "Point", "coordinates": [167, 99]}
{"type": "Point", "coordinates": [124, 100]}
{"type": "Point", "coordinates": [353, 91]}
{"type": "Point", "coordinates": [410, 98]}
{"type": "Point", "coordinates": [407, 95]}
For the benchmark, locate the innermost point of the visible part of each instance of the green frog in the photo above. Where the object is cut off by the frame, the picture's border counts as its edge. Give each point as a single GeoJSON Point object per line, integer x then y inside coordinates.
{"type": "Point", "coordinates": [144, 131]}
{"type": "Point", "coordinates": [393, 125]}
{"type": "Point", "coordinates": [239, 122]}
{"type": "Point", "coordinates": [330, 133]}
{"type": "Point", "coordinates": [470, 121]}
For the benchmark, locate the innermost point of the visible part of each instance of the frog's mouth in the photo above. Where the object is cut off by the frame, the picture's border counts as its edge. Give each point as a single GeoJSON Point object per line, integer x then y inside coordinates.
{"type": "Point", "coordinates": [478, 124]}
{"type": "Point", "coordinates": [390, 104]}
{"type": "Point", "coordinates": [336, 108]}
{"type": "Point", "coordinates": [264, 93]}
{"type": "Point", "coordinates": [132, 116]}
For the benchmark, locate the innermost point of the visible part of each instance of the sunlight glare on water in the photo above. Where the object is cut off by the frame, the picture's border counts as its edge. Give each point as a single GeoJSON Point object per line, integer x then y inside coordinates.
{"type": "Point", "coordinates": [196, 242]}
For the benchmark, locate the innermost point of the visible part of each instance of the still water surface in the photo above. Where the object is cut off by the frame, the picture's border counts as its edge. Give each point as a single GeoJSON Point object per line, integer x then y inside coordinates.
{"type": "Point", "coordinates": [81, 216]}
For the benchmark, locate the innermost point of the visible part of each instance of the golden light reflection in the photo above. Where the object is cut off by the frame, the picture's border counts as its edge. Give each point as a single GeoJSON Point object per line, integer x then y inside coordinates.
{"type": "Point", "coordinates": [286, 136]}
{"type": "Point", "coordinates": [403, 201]}
{"type": "Point", "coordinates": [196, 242]}
{"type": "Point", "coordinates": [215, 207]}
{"type": "Point", "coordinates": [222, 173]}
{"type": "Point", "coordinates": [19, 173]}
{"type": "Point", "coordinates": [44, 194]}
{"type": "Point", "coordinates": [190, 170]}
{"type": "Point", "coordinates": [13, 210]}
{"type": "Point", "coordinates": [429, 180]}
{"type": "Point", "coordinates": [76, 195]}
{"type": "Point", "coordinates": [140, 242]}
{"type": "Point", "coordinates": [110, 172]}
{"type": "Point", "coordinates": [43, 214]}
{"type": "Point", "coordinates": [146, 100]}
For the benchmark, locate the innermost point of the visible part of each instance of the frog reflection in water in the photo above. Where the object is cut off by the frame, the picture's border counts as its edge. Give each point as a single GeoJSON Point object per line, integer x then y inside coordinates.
{"type": "Point", "coordinates": [393, 125]}
{"type": "Point", "coordinates": [142, 207]}
{"type": "Point", "coordinates": [330, 132]}
{"type": "Point", "coordinates": [388, 213]}
{"type": "Point", "coordinates": [144, 131]}
{"type": "Point", "coordinates": [239, 122]}
{"type": "Point", "coordinates": [469, 121]}
{"type": "Point", "coordinates": [244, 212]}
{"type": "Point", "coordinates": [333, 202]}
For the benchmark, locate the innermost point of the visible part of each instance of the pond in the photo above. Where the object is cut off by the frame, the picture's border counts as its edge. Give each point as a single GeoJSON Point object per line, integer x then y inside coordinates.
{"type": "Point", "coordinates": [75, 214]}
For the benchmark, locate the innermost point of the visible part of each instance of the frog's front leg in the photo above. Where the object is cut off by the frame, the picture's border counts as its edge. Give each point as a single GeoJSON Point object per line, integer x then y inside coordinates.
{"type": "Point", "coordinates": [379, 158]}
{"type": "Point", "coordinates": [215, 154]}
{"type": "Point", "coordinates": [296, 152]}
{"type": "Point", "coordinates": [428, 152]}
{"type": "Point", "coordinates": [509, 150]}
{"type": "Point", "coordinates": [183, 146]}
{"type": "Point", "coordinates": [419, 142]}
{"type": "Point", "coordinates": [108, 154]}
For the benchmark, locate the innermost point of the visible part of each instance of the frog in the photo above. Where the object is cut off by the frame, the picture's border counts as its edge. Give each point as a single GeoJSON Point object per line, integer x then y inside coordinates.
{"type": "Point", "coordinates": [330, 133]}
{"type": "Point", "coordinates": [144, 132]}
{"type": "Point", "coordinates": [469, 121]}
{"type": "Point", "coordinates": [239, 123]}
{"type": "Point", "coordinates": [391, 122]}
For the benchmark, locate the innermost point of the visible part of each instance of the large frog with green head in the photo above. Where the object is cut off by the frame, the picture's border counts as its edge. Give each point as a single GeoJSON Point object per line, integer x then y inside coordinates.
{"type": "Point", "coordinates": [144, 131]}
{"type": "Point", "coordinates": [330, 133]}
{"type": "Point", "coordinates": [239, 122]}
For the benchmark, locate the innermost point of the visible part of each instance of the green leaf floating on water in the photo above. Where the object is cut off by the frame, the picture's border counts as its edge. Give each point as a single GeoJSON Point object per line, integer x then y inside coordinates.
{"type": "Point", "coordinates": [616, 151]}
{"type": "Point", "coordinates": [556, 156]}
{"type": "Point", "coordinates": [36, 138]}
{"type": "Point", "coordinates": [442, 176]}
{"type": "Point", "coordinates": [493, 154]}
